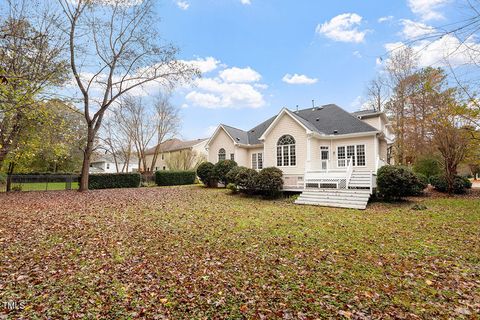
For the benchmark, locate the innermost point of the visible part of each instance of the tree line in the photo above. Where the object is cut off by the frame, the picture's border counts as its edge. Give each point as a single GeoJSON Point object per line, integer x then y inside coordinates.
{"type": "Point", "coordinates": [431, 118]}
{"type": "Point", "coordinates": [105, 50]}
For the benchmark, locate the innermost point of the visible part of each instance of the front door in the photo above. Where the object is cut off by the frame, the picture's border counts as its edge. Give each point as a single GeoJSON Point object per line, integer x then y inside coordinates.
{"type": "Point", "coordinates": [324, 156]}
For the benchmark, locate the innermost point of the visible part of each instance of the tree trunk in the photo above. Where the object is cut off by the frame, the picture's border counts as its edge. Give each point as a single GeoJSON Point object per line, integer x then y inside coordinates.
{"type": "Point", "coordinates": [87, 153]}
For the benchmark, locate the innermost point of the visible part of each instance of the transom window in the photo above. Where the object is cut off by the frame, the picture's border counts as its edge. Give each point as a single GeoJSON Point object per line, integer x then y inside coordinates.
{"type": "Point", "coordinates": [286, 155]}
{"type": "Point", "coordinates": [222, 155]}
{"type": "Point", "coordinates": [354, 152]}
{"type": "Point", "coordinates": [257, 161]}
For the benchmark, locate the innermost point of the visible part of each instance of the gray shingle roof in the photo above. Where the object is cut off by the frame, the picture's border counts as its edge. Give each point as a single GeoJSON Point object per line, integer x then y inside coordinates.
{"type": "Point", "coordinates": [174, 144]}
{"type": "Point", "coordinates": [366, 113]}
{"type": "Point", "coordinates": [328, 118]}
{"type": "Point", "coordinates": [324, 120]}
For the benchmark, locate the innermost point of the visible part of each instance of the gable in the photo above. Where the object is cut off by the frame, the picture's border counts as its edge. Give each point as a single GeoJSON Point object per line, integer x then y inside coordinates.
{"type": "Point", "coordinates": [280, 120]}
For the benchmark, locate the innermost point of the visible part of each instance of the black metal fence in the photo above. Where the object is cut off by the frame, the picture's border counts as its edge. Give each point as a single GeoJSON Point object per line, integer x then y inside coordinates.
{"type": "Point", "coordinates": [40, 182]}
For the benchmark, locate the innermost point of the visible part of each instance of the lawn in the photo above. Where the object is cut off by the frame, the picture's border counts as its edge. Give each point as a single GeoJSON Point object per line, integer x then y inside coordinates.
{"type": "Point", "coordinates": [41, 186]}
{"type": "Point", "coordinates": [196, 253]}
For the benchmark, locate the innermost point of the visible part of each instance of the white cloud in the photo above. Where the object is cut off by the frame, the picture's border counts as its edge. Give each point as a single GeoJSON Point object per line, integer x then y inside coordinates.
{"type": "Point", "coordinates": [184, 5]}
{"type": "Point", "coordinates": [203, 99]}
{"type": "Point", "coordinates": [233, 88]}
{"type": "Point", "coordinates": [298, 79]}
{"type": "Point", "coordinates": [441, 52]}
{"type": "Point", "coordinates": [261, 85]}
{"type": "Point", "coordinates": [205, 65]}
{"type": "Point", "coordinates": [214, 93]}
{"type": "Point", "coordinates": [245, 1]}
{"type": "Point", "coordinates": [240, 75]}
{"type": "Point", "coordinates": [427, 9]}
{"type": "Point", "coordinates": [414, 30]}
{"type": "Point", "coordinates": [344, 28]}
{"type": "Point", "coordinates": [385, 19]}
{"type": "Point", "coordinates": [357, 54]}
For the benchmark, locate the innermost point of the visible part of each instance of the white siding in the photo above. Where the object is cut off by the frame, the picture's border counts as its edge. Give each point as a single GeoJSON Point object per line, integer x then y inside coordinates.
{"type": "Point", "coordinates": [221, 140]}
{"type": "Point", "coordinates": [286, 125]}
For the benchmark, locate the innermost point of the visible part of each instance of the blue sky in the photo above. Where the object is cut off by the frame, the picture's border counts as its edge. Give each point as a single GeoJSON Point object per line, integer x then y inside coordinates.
{"type": "Point", "coordinates": [252, 50]}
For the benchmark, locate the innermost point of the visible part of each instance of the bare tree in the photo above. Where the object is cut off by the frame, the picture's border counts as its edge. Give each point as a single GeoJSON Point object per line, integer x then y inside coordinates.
{"type": "Point", "coordinates": [184, 160]}
{"type": "Point", "coordinates": [117, 140]}
{"type": "Point", "coordinates": [167, 124]}
{"type": "Point", "coordinates": [137, 122]}
{"type": "Point", "coordinates": [377, 94]}
{"type": "Point", "coordinates": [400, 67]}
{"type": "Point", "coordinates": [119, 41]}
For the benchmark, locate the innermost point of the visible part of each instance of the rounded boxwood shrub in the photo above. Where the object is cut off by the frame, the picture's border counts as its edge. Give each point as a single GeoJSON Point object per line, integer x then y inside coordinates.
{"type": "Point", "coordinates": [396, 182]}
{"type": "Point", "coordinates": [222, 168]}
{"type": "Point", "coordinates": [246, 180]}
{"type": "Point", "coordinates": [232, 174]}
{"type": "Point", "coordinates": [206, 173]}
{"type": "Point", "coordinates": [269, 181]}
{"type": "Point", "coordinates": [460, 184]}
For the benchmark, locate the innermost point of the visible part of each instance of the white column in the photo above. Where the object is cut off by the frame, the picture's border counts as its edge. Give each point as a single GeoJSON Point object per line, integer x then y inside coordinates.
{"type": "Point", "coordinates": [309, 154]}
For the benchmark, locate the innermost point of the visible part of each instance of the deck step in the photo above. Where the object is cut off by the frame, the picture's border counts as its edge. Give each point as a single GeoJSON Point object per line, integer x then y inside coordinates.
{"type": "Point", "coordinates": [332, 204]}
{"type": "Point", "coordinates": [341, 198]}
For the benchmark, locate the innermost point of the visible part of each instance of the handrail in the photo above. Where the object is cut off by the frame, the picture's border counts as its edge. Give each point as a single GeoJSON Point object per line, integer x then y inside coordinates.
{"type": "Point", "coordinates": [371, 181]}
{"type": "Point", "coordinates": [349, 172]}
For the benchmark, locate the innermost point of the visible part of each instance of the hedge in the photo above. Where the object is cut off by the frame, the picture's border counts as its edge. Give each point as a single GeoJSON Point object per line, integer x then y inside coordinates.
{"type": "Point", "coordinates": [113, 180]}
{"type": "Point", "coordinates": [174, 178]}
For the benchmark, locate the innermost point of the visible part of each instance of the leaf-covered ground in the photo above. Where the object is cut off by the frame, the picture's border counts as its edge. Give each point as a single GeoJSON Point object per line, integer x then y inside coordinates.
{"type": "Point", "coordinates": [195, 253]}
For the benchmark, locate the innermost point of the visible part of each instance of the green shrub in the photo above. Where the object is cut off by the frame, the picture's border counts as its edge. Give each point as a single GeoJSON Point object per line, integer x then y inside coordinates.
{"type": "Point", "coordinates": [222, 168]}
{"type": "Point", "coordinates": [174, 178]}
{"type": "Point", "coordinates": [232, 187]}
{"type": "Point", "coordinates": [232, 174]}
{"type": "Point", "coordinates": [422, 183]}
{"type": "Point", "coordinates": [206, 173]}
{"type": "Point", "coordinates": [460, 184]}
{"type": "Point", "coordinates": [269, 181]}
{"type": "Point", "coordinates": [428, 166]}
{"type": "Point", "coordinates": [396, 182]}
{"type": "Point", "coordinates": [113, 180]}
{"type": "Point", "coordinates": [246, 180]}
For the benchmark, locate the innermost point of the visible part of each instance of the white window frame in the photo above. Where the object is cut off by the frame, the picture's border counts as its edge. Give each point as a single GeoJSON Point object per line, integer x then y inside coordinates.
{"type": "Point", "coordinates": [257, 161]}
{"type": "Point", "coordinates": [355, 151]}
{"type": "Point", "coordinates": [224, 153]}
{"type": "Point", "coordinates": [325, 148]}
{"type": "Point", "coordinates": [286, 151]}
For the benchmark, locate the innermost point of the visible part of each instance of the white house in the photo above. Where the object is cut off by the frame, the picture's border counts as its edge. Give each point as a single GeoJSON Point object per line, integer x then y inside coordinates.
{"type": "Point", "coordinates": [329, 154]}
{"type": "Point", "coordinates": [106, 164]}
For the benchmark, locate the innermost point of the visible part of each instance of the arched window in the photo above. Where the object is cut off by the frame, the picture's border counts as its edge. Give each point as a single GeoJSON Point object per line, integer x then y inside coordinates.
{"type": "Point", "coordinates": [286, 155]}
{"type": "Point", "coordinates": [222, 155]}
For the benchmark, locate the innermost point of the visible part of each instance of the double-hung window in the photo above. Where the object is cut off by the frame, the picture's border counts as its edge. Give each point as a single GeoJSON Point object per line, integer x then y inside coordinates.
{"type": "Point", "coordinates": [355, 153]}
{"type": "Point", "coordinates": [257, 161]}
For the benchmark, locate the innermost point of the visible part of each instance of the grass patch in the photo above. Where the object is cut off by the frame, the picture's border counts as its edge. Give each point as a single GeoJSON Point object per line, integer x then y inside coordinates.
{"type": "Point", "coordinates": [193, 252]}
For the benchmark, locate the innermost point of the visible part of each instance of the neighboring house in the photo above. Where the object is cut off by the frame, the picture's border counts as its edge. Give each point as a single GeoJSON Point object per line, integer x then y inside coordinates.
{"type": "Point", "coordinates": [171, 147]}
{"type": "Point", "coordinates": [324, 151]}
{"type": "Point", "coordinates": [106, 164]}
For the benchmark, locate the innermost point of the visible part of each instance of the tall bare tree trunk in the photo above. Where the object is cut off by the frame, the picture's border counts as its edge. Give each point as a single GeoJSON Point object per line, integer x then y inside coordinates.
{"type": "Point", "coordinates": [87, 152]}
